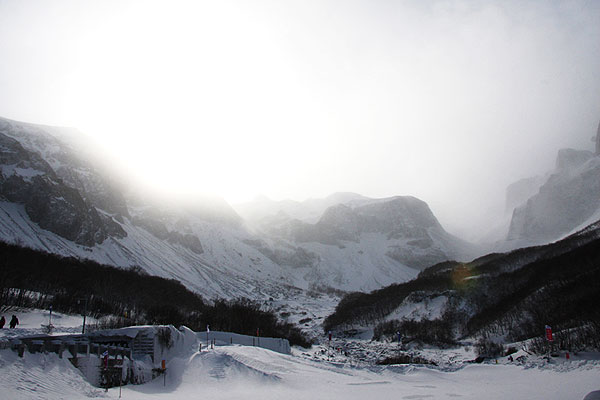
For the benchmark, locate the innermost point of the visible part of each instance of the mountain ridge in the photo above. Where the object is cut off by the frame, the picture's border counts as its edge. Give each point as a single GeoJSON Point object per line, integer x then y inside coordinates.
{"type": "Point", "coordinates": [203, 243]}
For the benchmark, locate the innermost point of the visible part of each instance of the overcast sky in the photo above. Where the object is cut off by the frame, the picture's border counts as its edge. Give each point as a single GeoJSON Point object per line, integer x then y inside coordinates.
{"type": "Point", "coordinates": [449, 101]}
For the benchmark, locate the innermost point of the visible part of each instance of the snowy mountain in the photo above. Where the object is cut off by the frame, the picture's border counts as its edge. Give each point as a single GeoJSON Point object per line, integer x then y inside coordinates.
{"type": "Point", "coordinates": [55, 200]}
{"type": "Point", "coordinates": [56, 196]}
{"type": "Point", "coordinates": [48, 190]}
{"type": "Point", "coordinates": [566, 200]}
{"type": "Point", "coordinates": [308, 211]}
{"type": "Point", "coordinates": [403, 229]}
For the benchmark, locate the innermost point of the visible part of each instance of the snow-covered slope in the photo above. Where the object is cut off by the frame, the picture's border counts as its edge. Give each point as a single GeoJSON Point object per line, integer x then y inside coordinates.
{"type": "Point", "coordinates": [366, 242]}
{"type": "Point", "coordinates": [53, 200]}
{"type": "Point", "coordinates": [56, 197]}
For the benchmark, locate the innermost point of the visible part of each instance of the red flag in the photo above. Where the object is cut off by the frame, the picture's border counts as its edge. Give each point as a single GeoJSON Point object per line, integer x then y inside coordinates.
{"type": "Point", "coordinates": [549, 334]}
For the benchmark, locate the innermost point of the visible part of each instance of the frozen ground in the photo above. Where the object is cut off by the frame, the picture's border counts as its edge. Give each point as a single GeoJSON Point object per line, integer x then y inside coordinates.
{"type": "Point", "coordinates": [343, 371]}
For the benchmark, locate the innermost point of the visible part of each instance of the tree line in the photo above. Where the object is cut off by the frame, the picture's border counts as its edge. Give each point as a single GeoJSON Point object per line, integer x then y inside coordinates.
{"type": "Point", "coordinates": [122, 297]}
{"type": "Point", "coordinates": [512, 296]}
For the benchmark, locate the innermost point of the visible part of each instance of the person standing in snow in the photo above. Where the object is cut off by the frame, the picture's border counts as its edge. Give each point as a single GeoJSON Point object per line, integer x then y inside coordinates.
{"type": "Point", "coordinates": [14, 321]}
{"type": "Point", "coordinates": [2, 322]}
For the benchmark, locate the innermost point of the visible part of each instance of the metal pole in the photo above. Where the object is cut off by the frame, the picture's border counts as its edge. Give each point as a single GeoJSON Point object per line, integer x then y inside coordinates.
{"type": "Point", "coordinates": [84, 314]}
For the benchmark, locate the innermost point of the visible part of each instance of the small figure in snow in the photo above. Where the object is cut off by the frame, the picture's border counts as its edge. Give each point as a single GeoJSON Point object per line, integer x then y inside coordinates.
{"type": "Point", "coordinates": [510, 358]}
{"type": "Point", "coordinates": [14, 321]}
{"type": "Point", "coordinates": [2, 322]}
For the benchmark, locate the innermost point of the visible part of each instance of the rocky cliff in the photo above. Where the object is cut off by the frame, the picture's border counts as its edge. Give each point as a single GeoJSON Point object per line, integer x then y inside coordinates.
{"type": "Point", "coordinates": [27, 179]}
{"type": "Point", "coordinates": [568, 200]}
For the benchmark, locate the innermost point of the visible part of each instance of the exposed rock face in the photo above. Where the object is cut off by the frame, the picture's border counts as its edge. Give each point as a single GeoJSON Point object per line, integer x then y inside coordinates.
{"type": "Point", "coordinates": [519, 192]}
{"type": "Point", "coordinates": [295, 257]}
{"type": "Point", "coordinates": [598, 141]}
{"type": "Point", "coordinates": [398, 217]}
{"type": "Point", "coordinates": [569, 198]}
{"type": "Point", "coordinates": [569, 159]}
{"type": "Point", "coordinates": [406, 228]}
{"type": "Point", "coordinates": [96, 189]}
{"type": "Point", "coordinates": [29, 180]}
{"type": "Point", "coordinates": [159, 230]}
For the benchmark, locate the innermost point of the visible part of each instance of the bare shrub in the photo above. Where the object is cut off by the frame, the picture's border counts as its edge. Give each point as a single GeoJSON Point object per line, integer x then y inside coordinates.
{"type": "Point", "coordinates": [488, 348]}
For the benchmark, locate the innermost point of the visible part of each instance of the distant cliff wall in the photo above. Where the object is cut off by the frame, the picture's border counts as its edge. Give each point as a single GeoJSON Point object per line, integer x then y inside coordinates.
{"type": "Point", "coordinates": [598, 140]}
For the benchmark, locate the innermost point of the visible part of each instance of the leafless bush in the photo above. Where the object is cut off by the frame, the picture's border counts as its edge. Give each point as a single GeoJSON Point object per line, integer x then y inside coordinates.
{"type": "Point", "coordinates": [489, 348]}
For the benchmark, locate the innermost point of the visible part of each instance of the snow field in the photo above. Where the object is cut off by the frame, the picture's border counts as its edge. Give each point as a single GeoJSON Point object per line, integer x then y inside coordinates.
{"type": "Point", "coordinates": [233, 372]}
{"type": "Point", "coordinates": [31, 321]}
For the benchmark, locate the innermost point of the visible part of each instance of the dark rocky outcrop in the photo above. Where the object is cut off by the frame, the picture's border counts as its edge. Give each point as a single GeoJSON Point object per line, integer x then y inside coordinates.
{"type": "Point", "coordinates": [29, 180]}
{"type": "Point", "coordinates": [157, 228]}
{"type": "Point", "coordinates": [69, 163]}
{"type": "Point", "coordinates": [397, 218]}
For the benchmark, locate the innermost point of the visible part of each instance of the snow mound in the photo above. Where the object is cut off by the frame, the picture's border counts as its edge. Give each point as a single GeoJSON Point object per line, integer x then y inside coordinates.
{"type": "Point", "coordinates": [42, 376]}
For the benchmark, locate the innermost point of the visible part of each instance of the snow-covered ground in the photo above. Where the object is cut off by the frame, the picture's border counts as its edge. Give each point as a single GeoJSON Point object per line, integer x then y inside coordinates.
{"type": "Point", "coordinates": [33, 322]}
{"type": "Point", "coordinates": [233, 372]}
{"type": "Point", "coordinates": [345, 370]}
{"type": "Point", "coordinates": [424, 308]}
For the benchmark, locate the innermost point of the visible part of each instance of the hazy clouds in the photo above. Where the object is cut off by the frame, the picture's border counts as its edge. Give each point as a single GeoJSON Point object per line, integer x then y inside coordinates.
{"type": "Point", "coordinates": [449, 101]}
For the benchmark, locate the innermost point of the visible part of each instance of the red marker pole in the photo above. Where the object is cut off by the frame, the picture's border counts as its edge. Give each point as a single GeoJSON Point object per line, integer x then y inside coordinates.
{"type": "Point", "coordinates": [549, 339]}
{"type": "Point", "coordinates": [549, 336]}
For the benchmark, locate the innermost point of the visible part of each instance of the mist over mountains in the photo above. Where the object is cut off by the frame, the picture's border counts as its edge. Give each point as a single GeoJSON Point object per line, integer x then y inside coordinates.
{"type": "Point", "coordinates": [56, 197]}
{"type": "Point", "coordinates": [567, 200]}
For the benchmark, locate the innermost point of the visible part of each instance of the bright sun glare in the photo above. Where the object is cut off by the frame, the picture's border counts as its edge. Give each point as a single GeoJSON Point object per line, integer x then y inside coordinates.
{"type": "Point", "coordinates": [191, 97]}
{"type": "Point", "coordinates": [223, 99]}
{"type": "Point", "coordinates": [297, 99]}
